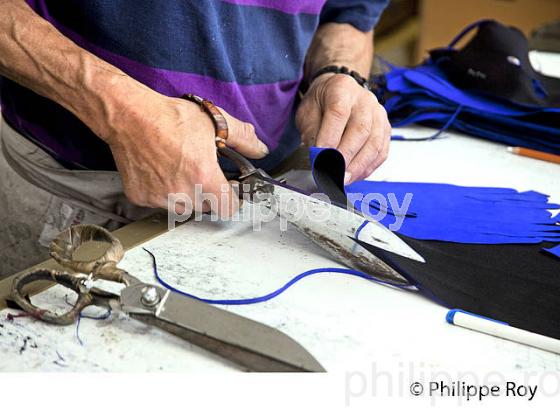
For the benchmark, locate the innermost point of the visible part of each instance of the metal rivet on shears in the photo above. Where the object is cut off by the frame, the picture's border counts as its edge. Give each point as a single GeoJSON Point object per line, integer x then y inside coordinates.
{"type": "Point", "coordinates": [150, 296]}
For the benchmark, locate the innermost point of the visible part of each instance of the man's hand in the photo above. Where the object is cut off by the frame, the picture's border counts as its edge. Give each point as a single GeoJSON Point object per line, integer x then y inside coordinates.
{"type": "Point", "coordinates": [336, 112]}
{"type": "Point", "coordinates": [161, 145]}
{"type": "Point", "coordinates": [166, 145]}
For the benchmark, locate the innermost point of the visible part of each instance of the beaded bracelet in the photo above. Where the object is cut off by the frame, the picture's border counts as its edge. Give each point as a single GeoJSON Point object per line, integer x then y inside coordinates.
{"type": "Point", "coordinates": [219, 121]}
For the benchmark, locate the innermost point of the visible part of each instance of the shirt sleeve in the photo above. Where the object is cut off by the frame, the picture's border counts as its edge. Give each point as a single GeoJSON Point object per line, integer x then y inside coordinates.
{"type": "Point", "coordinates": [362, 14]}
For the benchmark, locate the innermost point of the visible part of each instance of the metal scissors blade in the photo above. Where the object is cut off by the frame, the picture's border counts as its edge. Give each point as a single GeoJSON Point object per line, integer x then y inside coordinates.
{"type": "Point", "coordinates": [252, 345]}
{"type": "Point", "coordinates": [298, 207]}
{"type": "Point", "coordinates": [346, 221]}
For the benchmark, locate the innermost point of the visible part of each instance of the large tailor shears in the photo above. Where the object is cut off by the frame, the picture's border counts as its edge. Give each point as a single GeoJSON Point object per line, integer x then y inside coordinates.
{"type": "Point", "coordinates": [252, 345]}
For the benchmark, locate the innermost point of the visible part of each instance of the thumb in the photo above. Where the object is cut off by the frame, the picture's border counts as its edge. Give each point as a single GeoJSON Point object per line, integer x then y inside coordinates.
{"type": "Point", "coordinates": [243, 139]}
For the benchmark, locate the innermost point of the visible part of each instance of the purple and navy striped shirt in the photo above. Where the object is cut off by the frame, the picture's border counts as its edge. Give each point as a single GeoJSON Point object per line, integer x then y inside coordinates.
{"type": "Point", "coordinates": [245, 55]}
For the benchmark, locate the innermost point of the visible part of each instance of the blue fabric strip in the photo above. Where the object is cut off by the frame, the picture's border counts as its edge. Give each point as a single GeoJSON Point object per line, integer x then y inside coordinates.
{"type": "Point", "coordinates": [423, 94]}
{"type": "Point", "coordinates": [555, 251]}
{"type": "Point", "coordinates": [467, 214]}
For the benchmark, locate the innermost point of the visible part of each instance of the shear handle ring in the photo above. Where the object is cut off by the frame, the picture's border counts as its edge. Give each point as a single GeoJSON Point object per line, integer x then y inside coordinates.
{"type": "Point", "coordinates": [243, 164]}
{"type": "Point", "coordinates": [65, 279]}
{"type": "Point", "coordinates": [65, 244]}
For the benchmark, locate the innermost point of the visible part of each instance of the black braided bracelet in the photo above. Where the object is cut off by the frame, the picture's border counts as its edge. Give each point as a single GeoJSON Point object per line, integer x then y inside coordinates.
{"type": "Point", "coordinates": [336, 70]}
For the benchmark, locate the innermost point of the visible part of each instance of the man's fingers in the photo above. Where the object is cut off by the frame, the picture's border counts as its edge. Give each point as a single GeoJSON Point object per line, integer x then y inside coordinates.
{"type": "Point", "coordinates": [220, 196]}
{"type": "Point", "coordinates": [336, 113]}
{"type": "Point", "coordinates": [384, 153]}
{"type": "Point", "coordinates": [243, 138]}
{"type": "Point", "coordinates": [211, 193]}
{"type": "Point", "coordinates": [375, 150]}
{"type": "Point", "coordinates": [357, 132]}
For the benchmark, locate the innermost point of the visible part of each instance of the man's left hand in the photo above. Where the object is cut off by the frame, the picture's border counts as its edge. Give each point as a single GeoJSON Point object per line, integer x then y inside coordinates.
{"type": "Point", "coordinates": [336, 112]}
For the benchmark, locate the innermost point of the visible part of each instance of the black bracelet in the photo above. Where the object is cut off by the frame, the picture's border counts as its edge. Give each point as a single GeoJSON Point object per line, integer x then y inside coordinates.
{"type": "Point", "coordinates": [336, 70]}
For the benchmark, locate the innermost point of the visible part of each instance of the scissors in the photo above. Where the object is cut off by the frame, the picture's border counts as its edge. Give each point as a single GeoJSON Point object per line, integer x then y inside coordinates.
{"type": "Point", "coordinates": [251, 345]}
{"type": "Point", "coordinates": [337, 228]}
{"type": "Point", "coordinates": [254, 346]}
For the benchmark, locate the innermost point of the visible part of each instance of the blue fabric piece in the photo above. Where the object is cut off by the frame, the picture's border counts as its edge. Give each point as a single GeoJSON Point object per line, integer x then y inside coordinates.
{"type": "Point", "coordinates": [426, 95]}
{"type": "Point", "coordinates": [468, 214]}
{"type": "Point", "coordinates": [446, 212]}
{"type": "Point", "coordinates": [428, 80]}
{"type": "Point", "coordinates": [555, 251]}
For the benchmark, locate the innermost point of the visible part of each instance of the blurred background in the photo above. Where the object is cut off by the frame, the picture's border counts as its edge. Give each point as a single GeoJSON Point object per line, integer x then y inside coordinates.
{"type": "Point", "coordinates": [409, 28]}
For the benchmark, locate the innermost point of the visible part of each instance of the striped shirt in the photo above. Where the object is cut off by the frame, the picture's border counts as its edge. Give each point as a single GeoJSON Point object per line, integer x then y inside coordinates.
{"type": "Point", "coordinates": [246, 56]}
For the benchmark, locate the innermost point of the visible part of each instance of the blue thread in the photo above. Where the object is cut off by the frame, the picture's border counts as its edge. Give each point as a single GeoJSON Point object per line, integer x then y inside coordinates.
{"type": "Point", "coordinates": [78, 330]}
{"type": "Point", "coordinates": [269, 296]}
{"type": "Point", "coordinates": [104, 316]}
{"type": "Point", "coordinates": [445, 127]}
{"type": "Point", "coordinates": [362, 226]}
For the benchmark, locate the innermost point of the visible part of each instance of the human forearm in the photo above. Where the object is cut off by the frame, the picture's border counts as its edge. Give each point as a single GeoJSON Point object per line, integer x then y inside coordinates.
{"type": "Point", "coordinates": [160, 144]}
{"type": "Point", "coordinates": [340, 44]}
{"type": "Point", "coordinates": [36, 55]}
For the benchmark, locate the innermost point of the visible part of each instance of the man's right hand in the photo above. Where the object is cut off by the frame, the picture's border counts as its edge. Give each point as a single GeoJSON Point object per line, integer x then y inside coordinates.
{"type": "Point", "coordinates": [165, 145]}
{"type": "Point", "coordinates": [161, 145]}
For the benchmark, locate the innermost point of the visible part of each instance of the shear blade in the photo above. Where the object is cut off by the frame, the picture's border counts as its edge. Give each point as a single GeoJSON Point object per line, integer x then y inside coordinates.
{"type": "Point", "coordinates": [252, 345]}
{"type": "Point", "coordinates": [293, 205]}
{"type": "Point", "coordinates": [374, 233]}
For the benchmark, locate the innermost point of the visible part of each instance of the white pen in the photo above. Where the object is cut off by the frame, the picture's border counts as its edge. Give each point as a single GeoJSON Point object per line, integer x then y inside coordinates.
{"type": "Point", "coordinates": [501, 329]}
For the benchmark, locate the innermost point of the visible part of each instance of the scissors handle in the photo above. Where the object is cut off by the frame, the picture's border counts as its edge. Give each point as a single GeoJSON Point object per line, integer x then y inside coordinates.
{"type": "Point", "coordinates": [78, 273]}
{"type": "Point", "coordinates": [243, 164]}
{"type": "Point", "coordinates": [68, 241]}
{"type": "Point", "coordinates": [71, 281]}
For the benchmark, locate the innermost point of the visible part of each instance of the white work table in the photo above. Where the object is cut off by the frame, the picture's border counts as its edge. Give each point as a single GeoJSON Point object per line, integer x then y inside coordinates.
{"type": "Point", "coordinates": [347, 323]}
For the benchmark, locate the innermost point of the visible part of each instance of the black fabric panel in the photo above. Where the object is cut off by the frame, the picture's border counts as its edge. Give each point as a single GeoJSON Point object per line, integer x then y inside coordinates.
{"type": "Point", "coordinates": [518, 284]}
